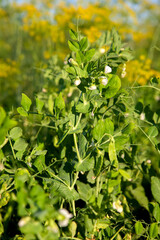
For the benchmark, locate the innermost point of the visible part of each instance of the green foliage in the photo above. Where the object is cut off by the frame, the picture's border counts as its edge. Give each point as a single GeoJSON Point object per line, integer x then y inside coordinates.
{"type": "Point", "coordinates": [75, 166]}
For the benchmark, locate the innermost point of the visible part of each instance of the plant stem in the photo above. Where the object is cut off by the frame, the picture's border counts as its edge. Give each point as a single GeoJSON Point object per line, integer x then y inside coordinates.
{"type": "Point", "coordinates": [147, 87]}
{"type": "Point", "coordinates": [97, 186]}
{"type": "Point", "coordinates": [14, 155]}
{"type": "Point", "coordinates": [76, 146]}
{"type": "Point", "coordinates": [74, 209]}
{"type": "Point", "coordinates": [75, 180]}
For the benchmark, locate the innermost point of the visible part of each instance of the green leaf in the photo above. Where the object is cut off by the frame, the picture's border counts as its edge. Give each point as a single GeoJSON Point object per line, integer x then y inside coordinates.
{"type": "Point", "coordinates": [85, 165]}
{"type": "Point", "coordinates": [73, 34]}
{"type": "Point", "coordinates": [153, 230]}
{"type": "Point", "coordinates": [156, 212]}
{"type": "Point", "coordinates": [39, 105]}
{"type": "Point", "coordinates": [65, 192]}
{"type": "Point", "coordinates": [112, 153]}
{"type": "Point", "coordinates": [138, 228]}
{"type": "Point", "coordinates": [32, 227]}
{"type": "Point", "coordinates": [155, 188]}
{"type": "Point", "coordinates": [84, 190]}
{"type": "Point", "coordinates": [120, 141]}
{"type": "Point", "coordinates": [83, 44]}
{"type": "Point", "coordinates": [83, 145]}
{"type": "Point", "coordinates": [74, 46]}
{"type": "Point", "coordinates": [20, 144]}
{"type": "Point", "coordinates": [102, 223]}
{"type": "Point", "coordinates": [103, 126]}
{"type": "Point", "coordinates": [39, 163]}
{"type": "Point", "coordinates": [99, 164]}
{"type": "Point", "coordinates": [26, 102]}
{"type": "Point", "coordinates": [81, 72]}
{"type": "Point", "coordinates": [15, 133]}
{"type": "Point", "coordinates": [152, 131]}
{"type": "Point", "coordinates": [59, 102]}
{"type": "Point", "coordinates": [139, 108]}
{"type": "Point", "coordinates": [2, 115]}
{"type": "Point", "coordinates": [125, 174]}
{"type": "Point", "coordinates": [21, 176]}
{"type": "Point", "coordinates": [82, 108]}
{"type": "Point", "coordinates": [114, 84]}
{"type": "Point", "coordinates": [79, 57]}
{"type": "Point", "coordinates": [22, 112]}
{"type": "Point", "coordinates": [71, 70]}
{"type": "Point", "coordinates": [89, 54]}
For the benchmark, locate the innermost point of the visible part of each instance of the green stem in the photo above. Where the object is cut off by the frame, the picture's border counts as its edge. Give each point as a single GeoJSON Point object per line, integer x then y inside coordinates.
{"type": "Point", "coordinates": [76, 146]}
{"type": "Point", "coordinates": [97, 186]}
{"type": "Point", "coordinates": [74, 209]}
{"type": "Point", "coordinates": [14, 155]}
{"type": "Point", "coordinates": [146, 87]}
{"type": "Point", "coordinates": [55, 176]}
{"type": "Point", "coordinates": [75, 180]}
{"type": "Point", "coordinates": [117, 233]}
{"type": "Point", "coordinates": [79, 119]}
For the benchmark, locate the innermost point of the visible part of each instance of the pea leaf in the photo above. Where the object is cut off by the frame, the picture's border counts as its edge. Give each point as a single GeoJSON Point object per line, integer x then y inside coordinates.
{"type": "Point", "coordinates": [83, 44]}
{"type": "Point", "coordinates": [59, 102]}
{"type": "Point", "coordinates": [155, 188]}
{"type": "Point", "coordinates": [103, 127]}
{"type": "Point", "coordinates": [22, 112]}
{"type": "Point", "coordinates": [73, 34]}
{"type": "Point", "coordinates": [74, 46]}
{"type": "Point", "coordinates": [39, 105]}
{"type": "Point", "coordinates": [114, 84]}
{"type": "Point", "coordinates": [20, 144]}
{"type": "Point", "coordinates": [2, 115]}
{"type": "Point", "coordinates": [16, 133]}
{"type": "Point", "coordinates": [26, 102]}
{"type": "Point", "coordinates": [153, 230]}
{"type": "Point", "coordinates": [138, 228]}
{"type": "Point", "coordinates": [112, 153]}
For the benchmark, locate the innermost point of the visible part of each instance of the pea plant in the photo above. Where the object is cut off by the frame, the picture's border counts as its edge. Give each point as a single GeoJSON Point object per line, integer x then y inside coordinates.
{"type": "Point", "coordinates": [75, 166]}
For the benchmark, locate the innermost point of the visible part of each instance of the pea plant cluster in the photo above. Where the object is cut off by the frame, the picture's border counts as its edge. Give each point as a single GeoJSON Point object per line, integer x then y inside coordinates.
{"type": "Point", "coordinates": [72, 163]}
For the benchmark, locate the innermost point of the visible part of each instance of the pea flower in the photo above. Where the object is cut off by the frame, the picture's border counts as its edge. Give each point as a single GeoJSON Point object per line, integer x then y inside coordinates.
{"type": "Point", "coordinates": [72, 62]}
{"type": "Point", "coordinates": [92, 87]}
{"type": "Point", "coordinates": [117, 205]}
{"type": "Point", "coordinates": [67, 216]}
{"type": "Point", "coordinates": [107, 69]}
{"type": "Point", "coordinates": [123, 74]}
{"type": "Point", "coordinates": [77, 81]}
{"type": "Point", "coordinates": [102, 50]}
{"type": "Point", "coordinates": [103, 80]}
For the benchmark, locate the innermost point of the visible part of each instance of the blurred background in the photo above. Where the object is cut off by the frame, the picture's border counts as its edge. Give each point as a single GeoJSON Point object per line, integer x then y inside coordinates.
{"type": "Point", "coordinates": [34, 34]}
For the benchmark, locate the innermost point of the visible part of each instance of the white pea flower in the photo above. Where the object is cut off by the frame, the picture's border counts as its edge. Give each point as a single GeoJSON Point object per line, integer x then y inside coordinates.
{"type": "Point", "coordinates": [142, 116]}
{"type": "Point", "coordinates": [117, 205]}
{"type": "Point", "coordinates": [77, 81]}
{"type": "Point", "coordinates": [123, 74]}
{"type": "Point", "coordinates": [107, 69]}
{"type": "Point", "coordinates": [103, 80]}
{"type": "Point", "coordinates": [92, 87]}
{"type": "Point", "coordinates": [24, 221]}
{"type": "Point", "coordinates": [102, 50]}
{"type": "Point", "coordinates": [149, 161]}
{"type": "Point", "coordinates": [67, 216]}
{"type": "Point", "coordinates": [73, 62]}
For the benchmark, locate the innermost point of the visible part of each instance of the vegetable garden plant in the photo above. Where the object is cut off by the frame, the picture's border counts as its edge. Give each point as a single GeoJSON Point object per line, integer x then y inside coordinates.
{"type": "Point", "coordinates": [72, 166]}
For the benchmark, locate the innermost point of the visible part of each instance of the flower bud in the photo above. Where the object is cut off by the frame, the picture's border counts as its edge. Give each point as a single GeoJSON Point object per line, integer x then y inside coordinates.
{"type": "Point", "coordinates": [103, 80]}
{"type": "Point", "coordinates": [72, 62]}
{"type": "Point", "coordinates": [107, 69]}
{"type": "Point", "coordinates": [77, 81]}
{"type": "Point", "coordinates": [92, 87]}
